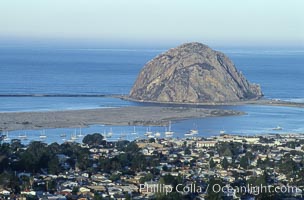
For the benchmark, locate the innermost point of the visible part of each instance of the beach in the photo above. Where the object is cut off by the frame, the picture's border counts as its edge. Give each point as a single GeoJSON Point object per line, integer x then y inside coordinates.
{"type": "Point", "coordinates": [144, 116]}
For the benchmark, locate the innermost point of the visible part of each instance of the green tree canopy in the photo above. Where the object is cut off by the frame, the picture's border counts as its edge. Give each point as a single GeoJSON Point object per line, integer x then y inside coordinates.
{"type": "Point", "coordinates": [94, 139]}
{"type": "Point", "coordinates": [213, 192]}
{"type": "Point", "coordinates": [212, 164]}
{"type": "Point", "coordinates": [244, 162]}
{"type": "Point", "coordinates": [225, 163]}
{"type": "Point", "coordinates": [187, 151]}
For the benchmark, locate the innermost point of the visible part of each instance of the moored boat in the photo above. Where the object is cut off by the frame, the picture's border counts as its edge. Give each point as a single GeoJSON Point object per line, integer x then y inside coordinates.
{"type": "Point", "coordinates": [6, 137]}
{"type": "Point", "coordinates": [169, 133]}
{"type": "Point", "coordinates": [80, 135]}
{"type": "Point", "coordinates": [148, 132]}
{"type": "Point", "coordinates": [42, 135]}
{"type": "Point", "coordinates": [157, 134]}
{"type": "Point", "coordinates": [110, 133]}
{"type": "Point", "coordinates": [23, 137]}
{"type": "Point", "coordinates": [278, 128]}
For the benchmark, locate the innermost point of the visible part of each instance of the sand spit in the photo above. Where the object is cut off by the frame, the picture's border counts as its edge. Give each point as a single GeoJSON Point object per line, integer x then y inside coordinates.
{"type": "Point", "coordinates": [149, 116]}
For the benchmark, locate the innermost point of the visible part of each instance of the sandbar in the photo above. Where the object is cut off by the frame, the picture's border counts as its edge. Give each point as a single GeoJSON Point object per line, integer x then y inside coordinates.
{"type": "Point", "coordinates": [133, 115]}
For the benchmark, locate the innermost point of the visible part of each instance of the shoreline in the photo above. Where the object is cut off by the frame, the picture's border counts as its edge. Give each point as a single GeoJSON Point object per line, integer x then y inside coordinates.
{"type": "Point", "coordinates": [259, 102]}
{"type": "Point", "coordinates": [123, 116]}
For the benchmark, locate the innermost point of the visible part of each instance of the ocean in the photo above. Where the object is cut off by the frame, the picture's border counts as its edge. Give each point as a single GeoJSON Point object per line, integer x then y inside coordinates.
{"type": "Point", "coordinates": [29, 70]}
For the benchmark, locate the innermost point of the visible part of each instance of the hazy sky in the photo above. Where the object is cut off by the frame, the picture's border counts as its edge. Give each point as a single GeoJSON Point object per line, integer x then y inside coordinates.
{"type": "Point", "coordinates": [251, 22]}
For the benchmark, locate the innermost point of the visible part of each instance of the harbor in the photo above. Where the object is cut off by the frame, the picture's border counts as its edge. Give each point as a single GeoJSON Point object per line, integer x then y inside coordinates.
{"type": "Point", "coordinates": [181, 130]}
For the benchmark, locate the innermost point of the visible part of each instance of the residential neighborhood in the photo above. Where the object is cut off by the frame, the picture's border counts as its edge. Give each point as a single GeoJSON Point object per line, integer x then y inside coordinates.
{"type": "Point", "coordinates": [163, 168]}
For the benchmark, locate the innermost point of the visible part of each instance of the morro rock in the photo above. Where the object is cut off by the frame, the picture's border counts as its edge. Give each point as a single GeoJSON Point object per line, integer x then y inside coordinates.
{"type": "Point", "coordinates": [192, 73]}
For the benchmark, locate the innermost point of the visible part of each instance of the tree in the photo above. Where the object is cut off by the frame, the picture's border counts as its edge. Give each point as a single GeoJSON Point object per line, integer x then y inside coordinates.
{"type": "Point", "coordinates": [146, 178]}
{"type": "Point", "coordinates": [287, 166]}
{"type": "Point", "coordinates": [83, 159]}
{"type": "Point", "coordinates": [244, 162]}
{"type": "Point", "coordinates": [16, 144]}
{"type": "Point", "coordinates": [165, 168]}
{"type": "Point", "coordinates": [170, 180]}
{"type": "Point", "coordinates": [187, 151]}
{"type": "Point", "coordinates": [54, 148]}
{"type": "Point", "coordinates": [4, 156]}
{"type": "Point", "coordinates": [121, 144]}
{"type": "Point", "coordinates": [75, 190]}
{"type": "Point", "coordinates": [259, 162]}
{"type": "Point", "coordinates": [53, 165]}
{"type": "Point", "coordinates": [225, 163]}
{"type": "Point", "coordinates": [50, 185]}
{"type": "Point", "coordinates": [213, 192]}
{"type": "Point", "coordinates": [14, 184]}
{"type": "Point", "coordinates": [262, 180]}
{"type": "Point", "coordinates": [152, 140]}
{"type": "Point", "coordinates": [300, 180]}
{"type": "Point", "coordinates": [25, 180]}
{"type": "Point", "coordinates": [227, 152]}
{"type": "Point", "coordinates": [35, 157]}
{"type": "Point", "coordinates": [132, 148]}
{"type": "Point", "coordinates": [114, 177]}
{"type": "Point", "coordinates": [229, 149]}
{"type": "Point", "coordinates": [128, 196]}
{"type": "Point", "coordinates": [95, 139]}
{"type": "Point", "coordinates": [212, 164]}
{"type": "Point", "coordinates": [97, 196]}
{"type": "Point", "coordinates": [4, 179]}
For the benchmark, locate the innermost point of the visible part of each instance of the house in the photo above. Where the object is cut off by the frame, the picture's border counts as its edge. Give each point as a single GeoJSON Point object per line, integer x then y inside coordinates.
{"type": "Point", "coordinates": [97, 188]}
{"type": "Point", "coordinates": [69, 184]}
{"type": "Point", "coordinates": [52, 197]}
{"type": "Point", "coordinates": [5, 192]}
{"type": "Point", "coordinates": [205, 143]}
{"type": "Point", "coordinates": [252, 140]}
{"type": "Point", "coordinates": [114, 191]}
{"type": "Point", "coordinates": [130, 188]}
{"type": "Point", "coordinates": [84, 190]}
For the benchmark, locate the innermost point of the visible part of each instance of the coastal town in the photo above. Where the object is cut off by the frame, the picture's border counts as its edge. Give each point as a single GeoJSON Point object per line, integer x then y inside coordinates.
{"type": "Point", "coordinates": [219, 167]}
{"type": "Point", "coordinates": [151, 100]}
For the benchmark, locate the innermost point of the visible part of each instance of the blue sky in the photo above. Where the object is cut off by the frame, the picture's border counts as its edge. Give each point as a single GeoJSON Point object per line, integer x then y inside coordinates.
{"type": "Point", "coordinates": [243, 22]}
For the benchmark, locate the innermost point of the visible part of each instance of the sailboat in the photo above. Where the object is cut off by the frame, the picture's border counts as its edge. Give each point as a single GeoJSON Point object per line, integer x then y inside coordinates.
{"type": "Point", "coordinates": [42, 135]}
{"type": "Point", "coordinates": [110, 133]}
{"type": "Point", "coordinates": [188, 134]}
{"type": "Point", "coordinates": [63, 136]}
{"type": "Point", "coordinates": [80, 135]}
{"type": "Point", "coordinates": [134, 131]}
{"type": "Point", "coordinates": [194, 131]}
{"type": "Point", "coordinates": [6, 138]}
{"type": "Point", "coordinates": [169, 133]}
{"type": "Point", "coordinates": [122, 136]}
{"type": "Point", "coordinates": [278, 128]}
{"type": "Point", "coordinates": [73, 136]}
{"type": "Point", "coordinates": [23, 137]}
{"type": "Point", "coordinates": [148, 132]}
{"type": "Point", "coordinates": [191, 132]}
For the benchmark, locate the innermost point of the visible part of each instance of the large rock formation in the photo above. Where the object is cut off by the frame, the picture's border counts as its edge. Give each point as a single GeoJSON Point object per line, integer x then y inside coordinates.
{"type": "Point", "coordinates": [192, 73]}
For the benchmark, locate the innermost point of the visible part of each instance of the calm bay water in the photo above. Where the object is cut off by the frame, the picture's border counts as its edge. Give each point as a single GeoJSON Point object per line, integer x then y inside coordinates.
{"type": "Point", "coordinates": [32, 70]}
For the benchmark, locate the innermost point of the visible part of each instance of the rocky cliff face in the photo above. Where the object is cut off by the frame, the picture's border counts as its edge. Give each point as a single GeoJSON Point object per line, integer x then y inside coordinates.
{"type": "Point", "coordinates": [192, 73]}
